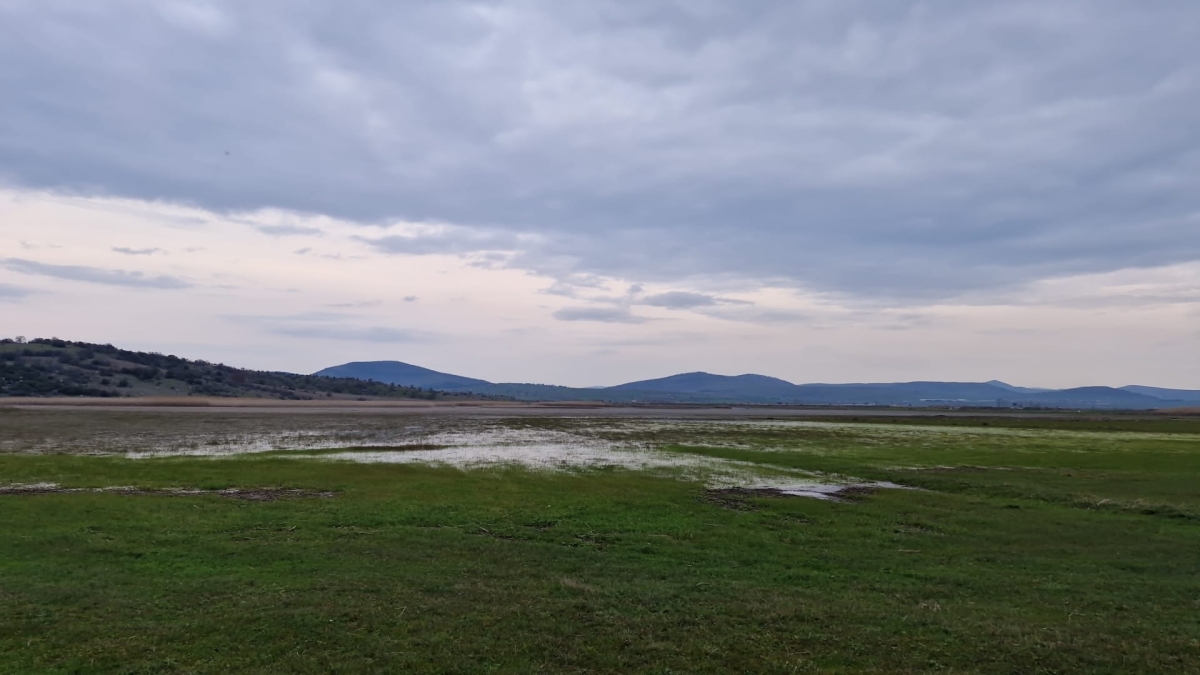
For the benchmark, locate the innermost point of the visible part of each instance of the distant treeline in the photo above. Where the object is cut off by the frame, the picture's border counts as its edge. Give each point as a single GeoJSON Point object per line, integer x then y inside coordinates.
{"type": "Point", "coordinates": [54, 367]}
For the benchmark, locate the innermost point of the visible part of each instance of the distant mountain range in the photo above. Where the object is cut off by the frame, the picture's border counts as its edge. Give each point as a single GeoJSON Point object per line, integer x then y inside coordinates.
{"type": "Point", "coordinates": [53, 367]}
{"type": "Point", "coordinates": [394, 371]}
{"type": "Point", "coordinates": [760, 389]}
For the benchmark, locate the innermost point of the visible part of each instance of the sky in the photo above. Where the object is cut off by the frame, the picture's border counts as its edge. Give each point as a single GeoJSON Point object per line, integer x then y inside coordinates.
{"type": "Point", "coordinates": [592, 192]}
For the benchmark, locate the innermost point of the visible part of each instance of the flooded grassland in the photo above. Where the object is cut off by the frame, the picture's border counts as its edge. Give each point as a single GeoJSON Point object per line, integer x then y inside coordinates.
{"type": "Point", "coordinates": [151, 541]}
{"type": "Point", "coordinates": [808, 457]}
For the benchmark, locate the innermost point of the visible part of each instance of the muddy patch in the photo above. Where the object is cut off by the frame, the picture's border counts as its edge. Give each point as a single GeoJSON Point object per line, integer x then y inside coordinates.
{"type": "Point", "coordinates": [735, 497]}
{"type": "Point", "coordinates": [839, 491]}
{"type": "Point", "coordinates": [246, 494]}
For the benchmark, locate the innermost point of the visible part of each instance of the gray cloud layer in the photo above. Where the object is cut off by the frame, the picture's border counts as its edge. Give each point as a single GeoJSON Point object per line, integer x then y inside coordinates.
{"type": "Point", "coordinates": [10, 292]}
{"type": "Point", "coordinates": [601, 314]}
{"type": "Point", "coordinates": [454, 240]}
{"type": "Point", "coordinates": [95, 275]}
{"type": "Point", "coordinates": [905, 149]}
{"type": "Point", "coordinates": [333, 325]}
{"type": "Point", "coordinates": [686, 300]}
{"type": "Point", "coordinates": [286, 230]}
{"type": "Point", "coordinates": [370, 334]}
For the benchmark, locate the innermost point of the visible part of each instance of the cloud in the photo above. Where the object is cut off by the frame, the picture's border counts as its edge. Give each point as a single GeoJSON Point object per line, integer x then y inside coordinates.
{"type": "Point", "coordinates": [617, 308]}
{"type": "Point", "coordinates": [317, 316]}
{"type": "Point", "coordinates": [410, 298]}
{"type": "Point", "coordinates": [95, 275]}
{"type": "Point", "coordinates": [200, 18]}
{"type": "Point", "coordinates": [355, 305]}
{"type": "Point", "coordinates": [1010, 332]}
{"type": "Point", "coordinates": [352, 334]}
{"type": "Point", "coordinates": [288, 230]}
{"type": "Point", "coordinates": [600, 314]}
{"type": "Point", "coordinates": [657, 339]}
{"type": "Point", "coordinates": [687, 300]}
{"type": "Point", "coordinates": [336, 325]}
{"type": "Point", "coordinates": [136, 251]}
{"type": "Point", "coordinates": [10, 292]}
{"type": "Point", "coordinates": [571, 285]}
{"type": "Point", "coordinates": [456, 240]}
{"type": "Point", "coordinates": [33, 247]}
{"type": "Point", "coordinates": [898, 152]}
{"type": "Point", "coordinates": [760, 315]}
{"type": "Point", "coordinates": [327, 256]}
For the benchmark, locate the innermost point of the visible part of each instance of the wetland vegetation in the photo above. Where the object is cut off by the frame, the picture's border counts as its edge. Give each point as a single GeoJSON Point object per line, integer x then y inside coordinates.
{"type": "Point", "coordinates": [583, 544]}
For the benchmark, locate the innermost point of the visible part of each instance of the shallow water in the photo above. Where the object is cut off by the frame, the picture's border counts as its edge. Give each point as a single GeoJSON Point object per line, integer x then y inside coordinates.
{"type": "Point", "coordinates": [575, 458]}
{"type": "Point", "coordinates": [831, 491]}
{"type": "Point", "coordinates": [546, 450]}
{"type": "Point", "coordinates": [477, 444]}
{"type": "Point", "coordinates": [567, 444]}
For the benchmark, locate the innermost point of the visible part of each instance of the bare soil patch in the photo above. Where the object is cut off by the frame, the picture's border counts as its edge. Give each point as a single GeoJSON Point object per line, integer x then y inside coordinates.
{"type": "Point", "coordinates": [1182, 411]}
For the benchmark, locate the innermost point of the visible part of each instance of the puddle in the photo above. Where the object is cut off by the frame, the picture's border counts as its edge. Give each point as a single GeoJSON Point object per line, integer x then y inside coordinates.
{"type": "Point", "coordinates": [735, 497]}
{"type": "Point", "coordinates": [831, 491]}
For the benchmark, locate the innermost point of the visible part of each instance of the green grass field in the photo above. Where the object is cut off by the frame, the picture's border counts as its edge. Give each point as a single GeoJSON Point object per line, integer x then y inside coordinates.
{"type": "Point", "coordinates": [1039, 547]}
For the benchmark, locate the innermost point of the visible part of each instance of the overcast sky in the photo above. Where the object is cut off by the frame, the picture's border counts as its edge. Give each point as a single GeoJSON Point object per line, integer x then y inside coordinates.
{"type": "Point", "coordinates": [591, 192]}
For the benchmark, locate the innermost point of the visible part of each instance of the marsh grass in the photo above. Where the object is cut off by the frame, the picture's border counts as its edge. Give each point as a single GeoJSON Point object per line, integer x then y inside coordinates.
{"type": "Point", "coordinates": [1022, 554]}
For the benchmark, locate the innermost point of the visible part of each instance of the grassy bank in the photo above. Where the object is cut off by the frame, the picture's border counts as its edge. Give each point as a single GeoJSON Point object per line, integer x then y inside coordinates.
{"type": "Point", "coordinates": [1046, 552]}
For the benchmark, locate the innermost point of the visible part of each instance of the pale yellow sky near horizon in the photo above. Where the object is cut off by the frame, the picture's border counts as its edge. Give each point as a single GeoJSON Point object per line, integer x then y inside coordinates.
{"type": "Point", "coordinates": [182, 280]}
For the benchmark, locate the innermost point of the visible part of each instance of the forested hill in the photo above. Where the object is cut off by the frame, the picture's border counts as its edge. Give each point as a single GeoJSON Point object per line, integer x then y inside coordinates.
{"type": "Point", "coordinates": [53, 367]}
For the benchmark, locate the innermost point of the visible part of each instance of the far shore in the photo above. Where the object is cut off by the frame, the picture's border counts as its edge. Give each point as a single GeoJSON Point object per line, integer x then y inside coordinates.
{"type": "Point", "coordinates": [200, 404]}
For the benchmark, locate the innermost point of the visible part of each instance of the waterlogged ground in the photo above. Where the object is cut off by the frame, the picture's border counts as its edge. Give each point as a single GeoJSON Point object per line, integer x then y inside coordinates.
{"type": "Point", "coordinates": [245, 542]}
{"type": "Point", "coordinates": [467, 443]}
{"type": "Point", "coordinates": [717, 452]}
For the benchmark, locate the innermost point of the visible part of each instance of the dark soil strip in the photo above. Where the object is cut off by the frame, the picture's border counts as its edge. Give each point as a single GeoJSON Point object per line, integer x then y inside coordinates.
{"type": "Point", "coordinates": [735, 497]}
{"type": "Point", "coordinates": [250, 494]}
